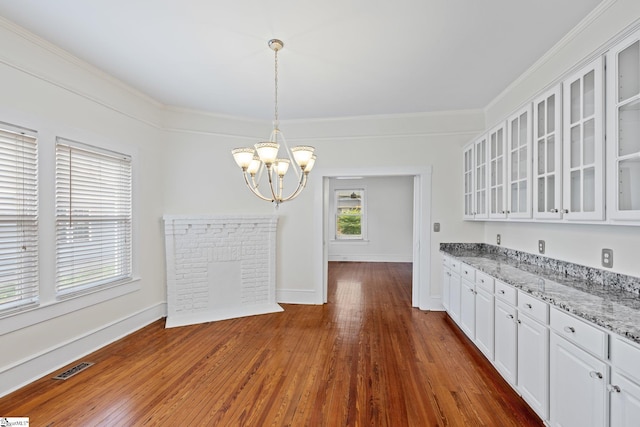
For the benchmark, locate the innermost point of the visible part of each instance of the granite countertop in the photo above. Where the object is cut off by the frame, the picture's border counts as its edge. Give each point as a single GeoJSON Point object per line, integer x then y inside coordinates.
{"type": "Point", "coordinates": [608, 300]}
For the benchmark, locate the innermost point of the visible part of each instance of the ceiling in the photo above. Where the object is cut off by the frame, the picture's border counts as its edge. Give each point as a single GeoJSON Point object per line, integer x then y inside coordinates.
{"type": "Point", "coordinates": [341, 57]}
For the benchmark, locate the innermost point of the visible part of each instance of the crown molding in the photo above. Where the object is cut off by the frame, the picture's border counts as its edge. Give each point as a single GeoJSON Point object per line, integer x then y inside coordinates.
{"type": "Point", "coordinates": [555, 49]}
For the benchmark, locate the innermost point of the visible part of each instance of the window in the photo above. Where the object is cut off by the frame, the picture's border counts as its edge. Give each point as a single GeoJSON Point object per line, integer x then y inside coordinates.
{"type": "Point", "coordinates": [18, 219]}
{"type": "Point", "coordinates": [93, 217]}
{"type": "Point", "coordinates": [350, 223]}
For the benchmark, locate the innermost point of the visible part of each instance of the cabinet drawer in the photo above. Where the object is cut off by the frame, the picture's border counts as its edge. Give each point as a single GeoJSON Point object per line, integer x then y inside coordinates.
{"type": "Point", "coordinates": [625, 357]}
{"type": "Point", "coordinates": [506, 293]}
{"type": "Point", "coordinates": [467, 272]}
{"type": "Point", "coordinates": [579, 332]}
{"type": "Point", "coordinates": [454, 265]}
{"type": "Point", "coordinates": [484, 281]}
{"type": "Point", "coordinates": [533, 307]}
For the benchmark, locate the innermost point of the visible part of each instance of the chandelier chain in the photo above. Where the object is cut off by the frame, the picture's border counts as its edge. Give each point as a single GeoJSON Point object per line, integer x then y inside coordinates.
{"type": "Point", "coordinates": [276, 87]}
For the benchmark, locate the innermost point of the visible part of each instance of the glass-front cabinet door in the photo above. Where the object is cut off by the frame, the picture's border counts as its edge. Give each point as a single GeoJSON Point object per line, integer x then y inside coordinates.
{"type": "Point", "coordinates": [519, 164]}
{"type": "Point", "coordinates": [468, 171]}
{"type": "Point", "coordinates": [583, 155]}
{"type": "Point", "coordinates": [497, 171]}
{"type": "Point", "coordinates": [480, 178]}
{"type": "Point", "coordinates": [623, 129]}
{"type": "Point", "coordinates": [547, 155]}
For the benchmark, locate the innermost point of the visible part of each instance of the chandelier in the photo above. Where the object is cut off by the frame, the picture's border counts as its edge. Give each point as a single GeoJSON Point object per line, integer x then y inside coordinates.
{"type": "Point", "coordinates": [264, 157]}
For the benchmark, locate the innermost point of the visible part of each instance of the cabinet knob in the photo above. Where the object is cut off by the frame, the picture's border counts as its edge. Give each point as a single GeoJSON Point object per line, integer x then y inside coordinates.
{"type": "Point", "coordinates": [553, 210]}
{"type": "Point", "coordinates": [613, 388]}
{"type": "Point", "coordinates": [519, 322]}
{"type": "Point", "coordinates": [504, 212]}
{"type": "Point", "coordinates": [509, 316]}
{"type": "Point", "coordinates": [529, 306]}
{"type": "Point", "coordinates": [595, 374]}
{"type": "Point", "coordinates": [570, 329]}
{"type": "Point", "coordinates": [501, 291]}
{"type": "Point", "coordinates": [565, 211]}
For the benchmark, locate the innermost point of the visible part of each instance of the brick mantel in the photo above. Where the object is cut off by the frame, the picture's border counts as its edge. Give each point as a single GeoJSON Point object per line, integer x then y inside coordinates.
{"type": "Point", "coordinates": [219, 267]}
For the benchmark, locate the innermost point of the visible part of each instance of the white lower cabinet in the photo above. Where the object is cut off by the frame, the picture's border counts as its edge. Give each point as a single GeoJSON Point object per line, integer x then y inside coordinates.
{"type": "Point", "coordinates": [454, 297]}
{"type": "Point", "coordinates": [484, 322]}
{"type": "Point", "coordinates": [578, 384]}
{"type": "Point", "coordinates": [533, 364]}
{"type": "Point", "coordinates": [506, 341]}
{"type": "Point", "coordinates": [468, 309]}
{"type": "Point", "coordinates": [624, 402]}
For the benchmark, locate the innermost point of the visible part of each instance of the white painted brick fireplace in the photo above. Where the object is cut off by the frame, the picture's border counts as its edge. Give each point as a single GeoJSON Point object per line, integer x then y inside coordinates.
{"type": "Point", "coordinates": [219, 267]}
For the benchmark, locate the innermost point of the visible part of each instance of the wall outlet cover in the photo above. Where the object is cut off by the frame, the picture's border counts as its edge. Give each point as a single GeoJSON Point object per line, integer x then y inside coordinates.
{"type": "Point", "coordinates": [541, 246]}
{"type": "Point", "coordinates": [498, 239]}
{"type": "Point", "coordinates": [607, 258]}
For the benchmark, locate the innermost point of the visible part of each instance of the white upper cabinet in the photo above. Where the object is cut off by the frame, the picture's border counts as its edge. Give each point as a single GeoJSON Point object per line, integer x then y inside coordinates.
{"type": "Point", "coordinates": [623, 129]}
{"type": "Point", "coordinates": [467, 168]}
{"type": "Point", "coordinates": [519, 164]}
{"type": "Point", "coordinates": [583, 160]}
{"type": "Point", "coordinates": [547, 154]}
{"type": "Point", "coordinates": [480, 176]}
{"type": "Point", "coordinates": [497, 171]}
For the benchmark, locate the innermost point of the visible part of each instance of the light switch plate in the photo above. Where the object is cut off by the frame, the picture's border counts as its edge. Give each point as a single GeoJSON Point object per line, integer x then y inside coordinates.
{"type": "Point", "coordinates": [436, 227]}
{"type": "Point", "coordinates": [541, 246]}
{"type": "Point", "coordinates": [607, 258]}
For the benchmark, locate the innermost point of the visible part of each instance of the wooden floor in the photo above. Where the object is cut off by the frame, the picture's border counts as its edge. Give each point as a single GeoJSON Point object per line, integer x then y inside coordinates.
{"type": "Point", "coordinates": [365, 358]}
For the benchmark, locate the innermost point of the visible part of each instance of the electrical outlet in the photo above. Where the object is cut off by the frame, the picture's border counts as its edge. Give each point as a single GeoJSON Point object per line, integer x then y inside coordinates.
{"type": "Point", "coordinates": [497, 239]}
{"type": "Point", "coordinates": [607, 258]}
{"type": "Point", "coordinates": [436, 227]}
{"type": "Point", "coordinates": [541, 246]}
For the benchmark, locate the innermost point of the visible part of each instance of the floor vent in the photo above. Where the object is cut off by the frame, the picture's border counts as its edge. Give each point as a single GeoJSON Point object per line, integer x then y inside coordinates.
{"type": "Point", "coordinates": [72, 371]}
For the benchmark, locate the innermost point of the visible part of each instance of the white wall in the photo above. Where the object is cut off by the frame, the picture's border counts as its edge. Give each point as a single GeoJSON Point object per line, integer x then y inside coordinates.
{"type": "Point", "coordinates": [577, 243]}
{"type": "Point", "coordinates": [47, 90]}
{"type": "Point", "coordinates": [389, 220]}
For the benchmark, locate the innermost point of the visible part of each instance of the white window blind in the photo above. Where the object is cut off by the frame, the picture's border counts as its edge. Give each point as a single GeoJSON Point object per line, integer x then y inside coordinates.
{"type": "Point", "coordinates": [18, 219]}
{"type": "Point", "coordinates": [93, 217]}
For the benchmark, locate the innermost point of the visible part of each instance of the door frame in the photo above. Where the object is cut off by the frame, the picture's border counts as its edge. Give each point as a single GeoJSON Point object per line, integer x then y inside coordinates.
{"type": "Point", "coordinates": [421, 277]}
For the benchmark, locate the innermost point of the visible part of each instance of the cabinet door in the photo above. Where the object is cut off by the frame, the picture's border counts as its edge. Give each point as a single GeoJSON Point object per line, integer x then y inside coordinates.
{"type": "Point", "coordinates": [484, 322]}
{"type": "Point", "coordinates": [480, 178]}
{"type": "Point", "coordinates": [454, 297]}
{"type": "Point", "coordinates": [519, 164]}
{"type": "Point", "coordinates": [506, 341]}
{"type": "Point", "coordinates": [578, 386]}
{"type": "Point", "coordinates": [467, 167]}
{"type": "Point", "coordinates": [583, 139]}
{"type": "Point", "coordinates": [547, 155]}
{"type": "Point", "coordinates": [623, 129]}
{"type": "Point", "coordinates": [625, 402]}
{"type": "Point", "coordinates": [533, 364]}
{"type": "Point", "coordinates": [468, 309]}
{"type": "Point", "coordinates": [497, 171]}
{"type": "Point", "coordinates": [446, 288]}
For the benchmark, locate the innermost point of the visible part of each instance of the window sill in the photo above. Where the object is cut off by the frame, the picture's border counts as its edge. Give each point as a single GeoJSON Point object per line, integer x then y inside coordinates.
{"type": "Point", "coordinates": [52, 309]}
{"type": "Point", "coordinates": [358, 241]}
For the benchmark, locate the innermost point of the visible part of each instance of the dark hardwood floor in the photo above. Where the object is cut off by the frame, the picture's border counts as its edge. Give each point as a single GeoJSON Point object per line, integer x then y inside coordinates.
{"type": "Point", "coordinates": [365, 358]}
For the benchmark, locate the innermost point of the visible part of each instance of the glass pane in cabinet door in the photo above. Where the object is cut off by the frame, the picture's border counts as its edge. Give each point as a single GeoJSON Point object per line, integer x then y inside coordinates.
{"type": "Point", "coordinates": [551, 114]}
{"type": "Point", "coordinates": [514, 135]}
{"type": "Point", "coordinates": [523, 163]}
{"type": "Point", "coordinates": [499, 175]}
{"type": "Point", "coordinates": [541, 156]}
{"type": "Point", "coordinates": [523, 129]}
{"type": "Point", "coordinates": [629, 72]}
{"type": "Point", "coordinates": [541, 118]}
{"type": "Point", "coordinates": [514, 197]}
{"type": "Point", "coordinates": [629, 128]}
{"type": "Point", "coordinates": [493, 148]}
{"type": "Point", "coordinates": [500, 142]}
{"type": "Point", "coordinates": [589, 144]}
{"type": "Point", "coordinates": [551, 192]}
{"type": "Point", "coordinates": [589, 190]}
{"type": "Point", "coordinates": [575, 146]}
{"type": "Point", "coordinates": [575, 102]}
{"type": "Point", "coordinates": [492, 173]}
{"type": "Point", "coordinates": [499, 200]}
{"type": "Point", "coordinates": [551, 154]}
{"type": "Point", "coordinates": [481, 202]}
{"type": "Point", "coordinates": [576, 180]}
{"type": "Point", "coordinates": [541, 186]}
{"type": "Point", "coordinates": [523, 197]}
{"type": "Point", "coordinates": [589, 101]}
{"type": "Point", "coordinates": [514, 166]}
{"type": "Point", "coordinates": [629, 190]}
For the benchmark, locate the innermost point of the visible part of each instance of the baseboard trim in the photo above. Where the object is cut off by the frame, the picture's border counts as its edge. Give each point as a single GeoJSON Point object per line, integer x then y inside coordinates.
{"type": "Point", "coordinates": [433, 304]}
{"type": "Point", "coordinates": [370, 258]}
{"type": "Point", "coordinates": [221, 314]}
{"type": "Point", "coordinates": [298, 296]}
{"type": "Point", "coordinates": [28, 370]}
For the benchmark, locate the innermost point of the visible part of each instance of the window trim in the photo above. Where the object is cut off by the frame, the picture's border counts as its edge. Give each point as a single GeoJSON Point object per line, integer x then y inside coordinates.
{"type": "Point", "coordinates": [362, 237]}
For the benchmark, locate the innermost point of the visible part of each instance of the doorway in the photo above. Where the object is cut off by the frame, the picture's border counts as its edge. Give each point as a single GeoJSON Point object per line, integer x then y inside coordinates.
{"type": "Point", "coordinates": [421, 251]}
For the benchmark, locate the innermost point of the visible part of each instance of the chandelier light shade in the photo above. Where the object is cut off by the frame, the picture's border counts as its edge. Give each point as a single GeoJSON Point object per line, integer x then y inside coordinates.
{"type": "Point", "coordinates": [263, 158]}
